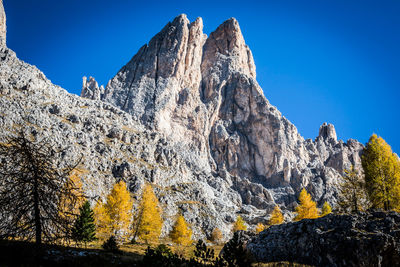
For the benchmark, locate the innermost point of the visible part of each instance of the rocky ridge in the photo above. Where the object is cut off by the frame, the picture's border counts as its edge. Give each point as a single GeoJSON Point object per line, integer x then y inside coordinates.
{"type": "Point", "coordinates": [187, 115]}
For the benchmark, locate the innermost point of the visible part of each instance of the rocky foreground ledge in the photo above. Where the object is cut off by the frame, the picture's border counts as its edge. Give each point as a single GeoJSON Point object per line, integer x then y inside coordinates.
{"type": "Point", "coordinates": [364, 239]}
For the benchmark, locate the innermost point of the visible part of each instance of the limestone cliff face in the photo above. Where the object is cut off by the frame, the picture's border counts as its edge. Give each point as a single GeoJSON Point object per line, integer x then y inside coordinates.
{"type": "Point", "coordinates": [202, 93]}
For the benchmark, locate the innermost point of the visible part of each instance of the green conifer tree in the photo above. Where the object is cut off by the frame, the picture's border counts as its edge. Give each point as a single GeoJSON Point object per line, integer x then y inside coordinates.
{"type": "Point", "coordinates": [84, 228]}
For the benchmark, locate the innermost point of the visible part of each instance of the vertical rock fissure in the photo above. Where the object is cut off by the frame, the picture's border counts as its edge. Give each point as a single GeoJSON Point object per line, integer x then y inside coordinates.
{"type": "Point", "coordinates": [134, 77]}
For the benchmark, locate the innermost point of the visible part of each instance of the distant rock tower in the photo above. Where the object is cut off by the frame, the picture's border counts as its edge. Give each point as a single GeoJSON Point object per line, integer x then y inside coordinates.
{"type": "Point", "coordinates": [3, 29]}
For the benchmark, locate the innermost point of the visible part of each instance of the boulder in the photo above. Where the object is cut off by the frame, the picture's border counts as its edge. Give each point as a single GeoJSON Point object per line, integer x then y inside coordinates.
{"type": "Point", "coordinates": [364, 239]}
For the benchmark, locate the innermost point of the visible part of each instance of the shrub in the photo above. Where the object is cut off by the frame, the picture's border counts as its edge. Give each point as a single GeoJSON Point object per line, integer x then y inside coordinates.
{"type": "Point", "coordinates": [111, 244]}
{"type": "Point", "coordinates": [203, 254]}
{"type": "Point", "coordinates": [234, 253]}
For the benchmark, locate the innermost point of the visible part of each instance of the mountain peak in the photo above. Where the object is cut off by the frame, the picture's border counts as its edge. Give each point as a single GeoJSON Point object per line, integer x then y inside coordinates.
{"type": "Point", "coordinates": [180, 19]}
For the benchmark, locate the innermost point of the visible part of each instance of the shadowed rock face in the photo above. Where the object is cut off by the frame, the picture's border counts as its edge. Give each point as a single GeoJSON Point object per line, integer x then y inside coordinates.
{"type": "Point", "coordinates": [365, 239]}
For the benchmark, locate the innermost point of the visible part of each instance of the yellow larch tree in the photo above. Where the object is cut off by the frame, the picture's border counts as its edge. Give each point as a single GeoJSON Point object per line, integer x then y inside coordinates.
{"type": "Point", "coordinates": [307, 208]}
{"type": "Point", "coordinates": [148, 220]}
{"type": "Point", "coordinates": [326, 209]}
{"type": "Point", "coordinates": [260, 227]}
{"type": "Point", "coordinates": [239, 225]}
{"type": "Point", "coordinates": [382, 174]}
{"type": "Point", "coordinates": [101, 220]}
{"type": "Point", "coordinates": [70, 202]}
{"type": "Point", "coordinates": [276, 216]}
{"type": "Point", "coordinates": [115, 216]}
{"type": "Point", "coordinates": [181, 234]}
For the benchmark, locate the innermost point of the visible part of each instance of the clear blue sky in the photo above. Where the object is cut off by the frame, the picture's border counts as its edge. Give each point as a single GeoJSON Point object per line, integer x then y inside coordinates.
{"type": "Point", "coordinates": [334, 61]}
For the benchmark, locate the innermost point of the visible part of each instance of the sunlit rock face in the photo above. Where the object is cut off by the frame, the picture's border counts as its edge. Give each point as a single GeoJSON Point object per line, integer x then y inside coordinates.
{"type": "Point", "coordinates": [187, 115]}
{"type": "Point", "coordinates": [202, 94]}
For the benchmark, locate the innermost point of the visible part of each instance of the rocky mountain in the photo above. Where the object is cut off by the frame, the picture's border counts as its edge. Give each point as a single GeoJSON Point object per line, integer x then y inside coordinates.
{"type": "Point", "coordinates": [202, 93]}
{"type": "Point", "coordinates": [187, 115]}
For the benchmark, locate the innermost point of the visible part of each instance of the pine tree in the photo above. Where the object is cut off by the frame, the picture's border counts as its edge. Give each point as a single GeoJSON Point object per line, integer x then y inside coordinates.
{"type": "Point", "coordinates": [326, 209]}
{"type": "Point", "coordinates": [260, 227]}
{"type": "Point", "coordinates": [115, 216]}
{"type": "Point", "coordinates": [276, 216]}
{"type": "Point", "coordinates": [235, 253]}
{"type": "Point", "coordinates": [352, 193]}
{"type": "Point", "coordinates": [239, 225]}
{"type": "Point", "coordinates": [307, 208]}
{"type": "Point", "coordinates": [216, 236]}
{"type": "Point", "coordinates": [84, 228]}
{"type": "Point", "coordinates": [148, 218]}
{"type": "Point", "coordinates": [382, 174]}
{"type": "Point", "coordinates": [181, 234]}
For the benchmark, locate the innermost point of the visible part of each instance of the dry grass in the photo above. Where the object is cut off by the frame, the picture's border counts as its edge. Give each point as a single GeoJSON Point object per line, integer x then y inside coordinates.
{"type": "Point", "coordinates": [279, 264]}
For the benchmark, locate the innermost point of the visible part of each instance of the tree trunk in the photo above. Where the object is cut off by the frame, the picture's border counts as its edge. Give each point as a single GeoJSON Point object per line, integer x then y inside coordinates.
{"type": "Point", "coordinates": [38, 223]}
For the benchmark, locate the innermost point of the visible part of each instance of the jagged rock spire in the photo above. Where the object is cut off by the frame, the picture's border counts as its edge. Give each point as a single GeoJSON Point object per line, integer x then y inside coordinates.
{"type": "Point", "coordinates": [3, 28]}
{"type": "Point", "coordinates": [91, 89]}
{"type": "Point", "coordinates": [327, 132]}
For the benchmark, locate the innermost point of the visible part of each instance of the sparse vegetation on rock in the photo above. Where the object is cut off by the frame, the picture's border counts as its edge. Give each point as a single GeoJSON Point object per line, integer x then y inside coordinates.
{"type": "Point", "coordinates": [326, 209]}
{"type": "Point", "coordinates": [276, 216]}
{"type": "Point", "coordinates": [239, 225]}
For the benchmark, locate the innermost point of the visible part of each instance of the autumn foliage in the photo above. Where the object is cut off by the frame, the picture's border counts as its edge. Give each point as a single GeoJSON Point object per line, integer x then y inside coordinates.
{"type": "Point", "coordinates": [260, 227]}
{"type": "Point", "coordinates": [148, 220]}
{"type": "Point", "coordinates": [69, 204]}
{"type": "Point", "coordinates": [326, 209]}
{"type": "Point", "coordinates": [114, 217]}
{"type": "Point", "coordinates": [239, 225]}
{"type": "Point", "coordinates": [276, 216]}
{"type": "Point", "coordinates": [382, 174]}
{"type": "Point", "coordinates": [181, 234]}
{"type": "Point", "coordinates": [307, 208]}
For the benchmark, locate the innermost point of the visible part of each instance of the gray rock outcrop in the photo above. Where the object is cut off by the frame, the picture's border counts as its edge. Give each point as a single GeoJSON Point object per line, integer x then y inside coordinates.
{"type": "Point", "coordinates": [91, 89]}
{"type": "Point", "coordinates": [365, 239]}
{"type": "Point", "coordinates": [3, 28]}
